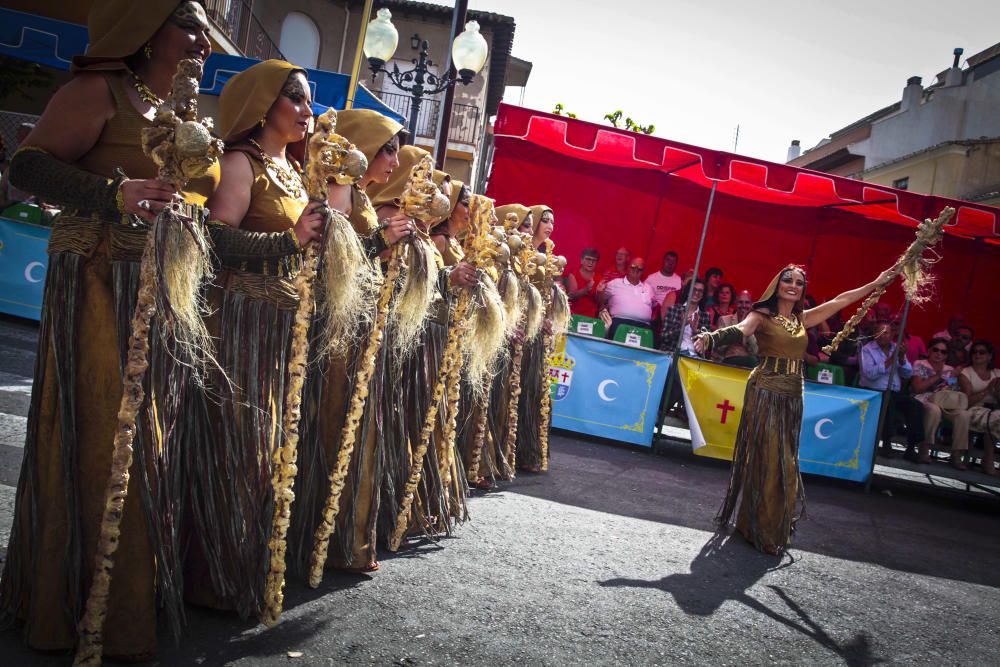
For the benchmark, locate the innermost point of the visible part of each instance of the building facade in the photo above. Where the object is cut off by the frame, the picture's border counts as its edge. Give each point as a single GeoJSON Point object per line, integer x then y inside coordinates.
{"type": "Point", "coordinates": [943, 139]}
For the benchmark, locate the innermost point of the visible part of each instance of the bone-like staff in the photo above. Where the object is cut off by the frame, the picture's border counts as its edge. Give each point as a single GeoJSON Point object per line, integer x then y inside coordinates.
{"type": "Point", "coordinates": [183, 148]}
{"type": "Point", "coordinates": [912, 265]}
{"type": "Point", "coordinates": [418, 201]}
{"type": "Point", "coordinates": [330, 157]}
{"type": "Point", "coordinates": [447, 378]}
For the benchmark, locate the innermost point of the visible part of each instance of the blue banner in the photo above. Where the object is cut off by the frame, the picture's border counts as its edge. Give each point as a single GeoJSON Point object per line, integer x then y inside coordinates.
{"type": "Point", "coordinates": [839, 430]}
{"type": "Point", "coordinates": [23, 264]}
{"type": "Point", "coordinates": [607, 389]}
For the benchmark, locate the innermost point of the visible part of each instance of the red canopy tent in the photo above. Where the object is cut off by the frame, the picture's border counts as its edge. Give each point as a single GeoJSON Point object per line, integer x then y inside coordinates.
{"type": "Point", "coordinates": [612, 187]}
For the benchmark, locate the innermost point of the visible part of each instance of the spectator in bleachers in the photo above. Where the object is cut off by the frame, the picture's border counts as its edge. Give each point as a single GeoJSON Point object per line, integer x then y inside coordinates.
{"type": "Point", "coordinates": [915, 348]}
{"type": "Point", "coordinates": [954, 323]}
{"type": "Point", "coordinates": [581, 284]}
{"type": "Point", "coordinates": [738, 354]}
{"type": "Point", "coordinates": [958, 355]}
{"type": "Point", "coordinates": [713, 278]}
{"type": "Point", "coordinates": [981, 383]}
{"type": "Point", "coordinates": [628, 300]}
{"type": "Point", "coordinates": [620, 269]}
{"type": "Point", "coordinates": [879, 358]}
{"type": "Point", "coordinates": [931, 376]}
{"type": "Point", "coordinates": [723, 305]}
{"type": "Point", "coordinates": [665, 283]}
{"type": "Point", "coordinates": [685, 319]}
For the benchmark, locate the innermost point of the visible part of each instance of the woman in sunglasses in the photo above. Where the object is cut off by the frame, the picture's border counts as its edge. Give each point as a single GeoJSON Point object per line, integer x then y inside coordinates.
{"type": "Point", "coordinates": [933, 383]}
{"type": "Point", "coordinates": [981, 383]}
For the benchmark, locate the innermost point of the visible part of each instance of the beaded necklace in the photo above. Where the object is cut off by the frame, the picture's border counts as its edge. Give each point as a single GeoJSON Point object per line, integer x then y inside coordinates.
{"type": "Point", "coordinates": [789, 325]}
{"type": "Point", "coordinates": [144, 91]}
{"type": "Point", "coordinates": [288, 178]}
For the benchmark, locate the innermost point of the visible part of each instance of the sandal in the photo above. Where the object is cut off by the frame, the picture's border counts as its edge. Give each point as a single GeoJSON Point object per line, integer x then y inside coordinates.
{"type": "Point", "coordinates": [364, 569]}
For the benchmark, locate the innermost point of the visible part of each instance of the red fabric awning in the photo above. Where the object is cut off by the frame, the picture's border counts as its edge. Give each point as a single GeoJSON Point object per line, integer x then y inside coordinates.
{"type": "Point", "coordinates": [612, 187]}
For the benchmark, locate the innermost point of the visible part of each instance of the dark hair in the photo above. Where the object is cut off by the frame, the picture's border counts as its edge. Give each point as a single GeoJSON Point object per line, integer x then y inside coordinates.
{"type": "Point", "coordinates": [809, 300]}
{"type": "Point", "coordinates": [387, 147]}
{"type": "Point", "coordinates": [771, 305]}
{"type": "Point", "coordinates": [590, 252]}
{"type": "Point", "coordinates": [670, 253]}
{"type": "Point", "coordinates": [935, 341]}
{"type": "Point", "coordinates": [686, 292]}
{"type": "Point", "coordinates": [732, 291]}
{"type": "Point", "coordinates": [464, 195]}
{"type": "Point", "coordinates": [982, 342]}
{"type": "Point", "coordinates": [714, 271]}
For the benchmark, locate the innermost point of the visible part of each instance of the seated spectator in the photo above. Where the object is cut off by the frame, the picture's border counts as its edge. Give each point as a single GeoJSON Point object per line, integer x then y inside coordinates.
{"type": "Point", "coordinates": [628, 300]}
{"type": "Point", "coordinates": [738, 354]}
{"type": "Point", "coordinates": [958, 356]}
{"type": "Point", "coordinates": [915, 348]}
{"type": "Point", "coordinates": [581, 285]}
{"type": "Point", "coordinates": [713, 278]}
{"type": "Point", "coordinates": [665, 283]}
{"type": "Point", "coordinates": [981, 383]}
{"type": "Point", "coordinates": [620, 269]}
{"type": "Point", "coordinates": [878, 360]}
{"type": "Point", "coordinates": [682, 321]}
{"type": "Point", "coordinates": [931, 376]}
{"type": "Point", "coordinates": [954, 323]}
{"type": "Point", "coordinates": [815, 336]}
{"type": "Point", "coordinates": [724, 304]}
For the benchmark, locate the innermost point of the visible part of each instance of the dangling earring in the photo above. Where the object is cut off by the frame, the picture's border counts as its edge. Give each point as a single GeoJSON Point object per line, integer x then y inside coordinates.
{"type": "Point", "coordinates": [262, 122]}
{"type": "Point", "coordinates": [148, 51]}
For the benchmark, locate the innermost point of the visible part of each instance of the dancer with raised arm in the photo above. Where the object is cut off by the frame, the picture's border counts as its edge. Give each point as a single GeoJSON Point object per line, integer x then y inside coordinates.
{"type": "Point", "coordinates": [764, 479]}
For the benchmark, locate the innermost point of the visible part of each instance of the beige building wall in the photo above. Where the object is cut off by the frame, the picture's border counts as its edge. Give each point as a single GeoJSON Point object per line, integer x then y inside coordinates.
{"type": "Point", "coordinates": [957, 171]}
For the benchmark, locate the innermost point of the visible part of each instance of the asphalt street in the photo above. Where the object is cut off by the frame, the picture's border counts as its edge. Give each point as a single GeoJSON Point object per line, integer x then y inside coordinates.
{"type": "Point", "coordinates": [611, 558]}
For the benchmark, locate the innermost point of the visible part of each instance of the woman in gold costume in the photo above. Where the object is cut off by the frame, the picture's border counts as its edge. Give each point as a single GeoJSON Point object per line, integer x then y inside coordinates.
{"type": "Point", "coordinates": [532, 428]}
{"type": "Point", "coordinates": [86, 155]}
{"type": "Point", "coordinates": [264, 115]}
{"type": "Point", "coordinates": [765, 479]}
{"type": "Point", "coordinates": [331, 381]}
{"type": "Point", "coordinates": [407, 380]}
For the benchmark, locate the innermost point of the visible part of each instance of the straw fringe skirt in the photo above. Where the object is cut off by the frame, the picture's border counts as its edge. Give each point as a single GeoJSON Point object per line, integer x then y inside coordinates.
{"type": "Point", "coordinates": [529, 420]}
{"type": "Point", "coordinates": [90, 294]}
{"type": "Point", "coordinates": [234, 432]}
{"type": "Point", "coordinates": [764, 479]}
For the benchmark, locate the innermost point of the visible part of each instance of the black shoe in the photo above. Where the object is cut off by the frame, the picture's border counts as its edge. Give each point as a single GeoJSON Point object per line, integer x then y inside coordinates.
{"type": "Point", "coordinates": [886, 452]}
{"type": "Point", "coordinates": [911, 455]}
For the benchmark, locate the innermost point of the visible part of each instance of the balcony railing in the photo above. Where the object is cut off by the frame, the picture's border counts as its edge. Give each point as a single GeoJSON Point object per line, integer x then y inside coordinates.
{"type": "Point", "coordinates": [235, 19]}
{"type": "Point", "coordinates": [464, 117]}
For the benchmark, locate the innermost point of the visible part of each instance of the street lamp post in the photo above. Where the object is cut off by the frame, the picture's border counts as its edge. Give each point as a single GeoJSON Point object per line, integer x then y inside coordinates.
{"type": "Point", "coordinates": [468, 54]}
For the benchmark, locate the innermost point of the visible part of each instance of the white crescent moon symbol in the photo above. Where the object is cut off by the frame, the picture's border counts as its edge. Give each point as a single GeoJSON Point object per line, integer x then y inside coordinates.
{"type": "Point", "coordinates": [819, 428]}
{"type": "Point", "coordinates": [601, 387]}
{"type": "Point", "coordinates": [29, 268]}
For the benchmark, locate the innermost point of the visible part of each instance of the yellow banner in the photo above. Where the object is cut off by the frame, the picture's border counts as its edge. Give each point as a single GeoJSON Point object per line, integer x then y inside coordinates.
{"type": "Point", "coordinates": [713, 397]}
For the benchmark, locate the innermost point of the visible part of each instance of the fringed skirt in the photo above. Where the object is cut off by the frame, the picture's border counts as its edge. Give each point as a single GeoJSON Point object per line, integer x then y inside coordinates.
{"type": "Point", "coordinates": [405, 397]}
{"type": "Point", "coordinates": [90, 295]}
{"type": "Point", "coordinates": [495, 464]}
{"type": "Point", "coordinates": [529, 420]}
{"type": "Point", "coordinates": [329, 389]}
{"type": "Point", "coordinates": [764, 480]}
{"type": "Point", "coordinates": [234, 429]}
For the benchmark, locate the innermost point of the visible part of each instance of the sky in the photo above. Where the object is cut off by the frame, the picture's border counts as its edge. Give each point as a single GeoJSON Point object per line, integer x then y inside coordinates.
{"type": "Point", "coordinates": [779, 69]}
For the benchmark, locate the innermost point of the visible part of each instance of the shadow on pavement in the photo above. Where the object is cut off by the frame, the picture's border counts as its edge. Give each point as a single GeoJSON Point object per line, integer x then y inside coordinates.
{"type": "Point", "coordinates": [725, 569]}
{"type": "Point", "coordinates": [908, 532]}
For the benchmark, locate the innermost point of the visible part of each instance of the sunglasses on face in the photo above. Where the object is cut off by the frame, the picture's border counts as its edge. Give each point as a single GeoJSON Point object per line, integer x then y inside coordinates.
{"type": "Point", "coordinates": [942, 350]}
{"type": "Point", "coordinates": [965, 337]}
{"type": "Point", "coordinates": [980, 351]}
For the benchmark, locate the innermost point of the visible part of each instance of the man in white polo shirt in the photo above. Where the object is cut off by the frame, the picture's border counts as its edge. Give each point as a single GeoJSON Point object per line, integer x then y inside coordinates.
{"type": "Point", "coordinates": [628, 299]}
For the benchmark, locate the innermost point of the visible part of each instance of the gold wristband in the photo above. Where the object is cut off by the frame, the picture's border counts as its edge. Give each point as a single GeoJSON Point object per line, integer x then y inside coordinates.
{"type": "Point", "coordinates": [295, 239]}
{"type": "Point", "coordinates": [120, 197]}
